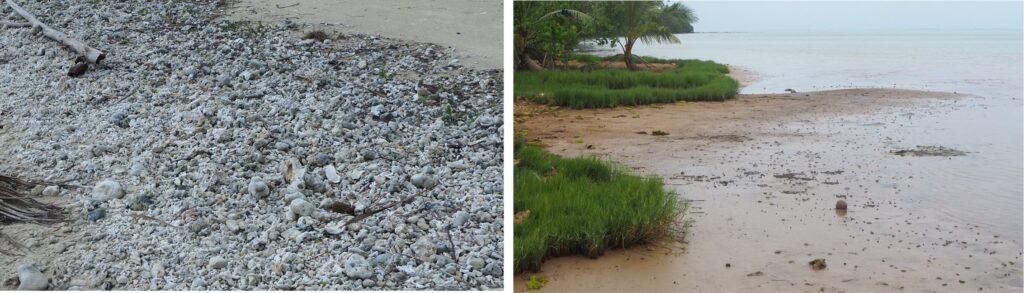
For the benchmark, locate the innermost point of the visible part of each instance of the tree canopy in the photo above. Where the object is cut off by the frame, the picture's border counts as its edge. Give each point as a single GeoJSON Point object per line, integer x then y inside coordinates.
{"type": "Point", "coordinates": [548, 30]}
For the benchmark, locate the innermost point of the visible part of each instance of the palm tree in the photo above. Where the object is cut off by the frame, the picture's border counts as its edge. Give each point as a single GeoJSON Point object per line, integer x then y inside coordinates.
{"type": "Point", "coordinates": [641, 21]}
{"type": "Point", "coordinates": [677, 17]}
{"type": "Point", "coordinates": [528, 16]}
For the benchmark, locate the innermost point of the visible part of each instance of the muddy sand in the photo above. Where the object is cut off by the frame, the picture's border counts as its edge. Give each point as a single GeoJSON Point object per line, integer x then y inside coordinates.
{"type": "Point", "coordinates": [471, 27]}
{"type": "Point", "coordinates": [762, 174]}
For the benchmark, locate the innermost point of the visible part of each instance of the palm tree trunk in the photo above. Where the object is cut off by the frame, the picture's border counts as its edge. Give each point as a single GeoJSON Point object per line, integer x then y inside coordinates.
{"type": "Point", "coordinates": [530, 63]}
{"type": "Point", "coordinates": [627, 54]}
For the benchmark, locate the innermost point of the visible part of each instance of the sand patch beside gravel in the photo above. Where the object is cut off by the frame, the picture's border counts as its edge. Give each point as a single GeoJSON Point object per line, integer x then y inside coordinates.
{"type": "Point", "coordinates": [472, 27]}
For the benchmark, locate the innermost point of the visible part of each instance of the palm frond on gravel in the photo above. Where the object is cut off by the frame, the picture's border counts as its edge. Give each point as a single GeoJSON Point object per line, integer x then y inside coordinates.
{"type": "Point", "coordinates": [15, 206]}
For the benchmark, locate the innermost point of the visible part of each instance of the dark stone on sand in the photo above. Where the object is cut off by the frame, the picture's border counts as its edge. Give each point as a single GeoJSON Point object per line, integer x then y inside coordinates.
{"type": "Point", "coordinates": [78, 69]}
{"type": "Point", "coordinates": [97, 214]}
{"type": "Point", "coordinates": [818, 264]}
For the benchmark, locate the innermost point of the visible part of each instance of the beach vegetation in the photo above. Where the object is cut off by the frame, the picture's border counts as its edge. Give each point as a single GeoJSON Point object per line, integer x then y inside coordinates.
{"type": "Point", "coordinates": [690, 80]}
{"type": "Point", "coordinates": [536, 282]}
{"type": "Point", "coordinates": [623, 23]}
{"type": "Point", "coordinates": [546, 32]}
{"type": "Point", "coordinates": [318, 35]}
{"type": "Point", "coordinates": [583, 206]}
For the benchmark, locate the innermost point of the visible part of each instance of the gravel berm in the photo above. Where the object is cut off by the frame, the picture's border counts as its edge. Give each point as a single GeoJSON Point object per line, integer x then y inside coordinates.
{"type": "Point", "coordinates": [213, 148]}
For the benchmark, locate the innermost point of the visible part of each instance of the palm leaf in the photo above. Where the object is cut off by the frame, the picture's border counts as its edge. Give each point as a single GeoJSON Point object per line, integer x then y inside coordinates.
{"type": "Point", "coordinates": [15, 206]}
{"type": "Point", "coordinates": [570, 14]}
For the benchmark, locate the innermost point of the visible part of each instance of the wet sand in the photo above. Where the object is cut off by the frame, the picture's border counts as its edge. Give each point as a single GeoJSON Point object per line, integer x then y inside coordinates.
{"type": "Point", "coordinates": [762, 174]}
{"type": "Point", "coordinates": [471, 27]}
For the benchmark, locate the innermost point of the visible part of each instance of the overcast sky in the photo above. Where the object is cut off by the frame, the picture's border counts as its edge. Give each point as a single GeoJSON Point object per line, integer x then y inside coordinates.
{"type": "Point", "coordinates": [829, 16]}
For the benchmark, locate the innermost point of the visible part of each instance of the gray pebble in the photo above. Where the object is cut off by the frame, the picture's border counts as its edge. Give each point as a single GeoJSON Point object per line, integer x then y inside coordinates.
{"type": "Point", "coordinates": [494, 269]}
{"type": "Point", "coordinates": [97, 214]}
{"type": "Point", "coordinates": [51, 190]}
{"type": "Point", "coordinates": [218, 262]}
{"type": "Point", "coordinates": [139, 202]}
{"type": "Point", "coordinates": [460, 218]}
{"type": "Point", "coordinates": [106, 190]}
{"type": "Point", "coordinates": [301, 207]}
{"type": "Point", "coordinates": [424, 180]}
{"type": "Point", "coordinates": [31, 278]}
{"type": "Point", "coordinates": [356, 266]}
{"type": "Point", "coordinates": [258, 188]}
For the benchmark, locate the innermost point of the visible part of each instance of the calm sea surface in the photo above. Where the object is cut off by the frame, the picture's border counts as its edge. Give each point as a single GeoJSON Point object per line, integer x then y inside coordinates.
{"type": "Point", "coordinates": [984, 188]}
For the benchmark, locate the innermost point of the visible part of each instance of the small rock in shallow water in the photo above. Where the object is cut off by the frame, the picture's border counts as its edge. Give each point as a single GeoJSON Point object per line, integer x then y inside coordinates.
{"type": "Point", "coordinates": [31, 279]}
{"type": "Point", "coordinates": [106, 190]}
{"type": "Point", "coordinates": [841, 205]}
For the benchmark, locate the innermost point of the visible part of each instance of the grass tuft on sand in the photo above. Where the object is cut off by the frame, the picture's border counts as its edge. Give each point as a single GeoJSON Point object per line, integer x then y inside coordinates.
{"type": "Point", "coordinates": [690, 80]}
{"type": "Point", "coordinates": [583, 206]}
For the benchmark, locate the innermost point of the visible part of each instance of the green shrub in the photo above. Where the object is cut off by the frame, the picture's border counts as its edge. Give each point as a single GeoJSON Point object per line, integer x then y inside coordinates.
{"type": "Point", "coordinates": [583, 206]}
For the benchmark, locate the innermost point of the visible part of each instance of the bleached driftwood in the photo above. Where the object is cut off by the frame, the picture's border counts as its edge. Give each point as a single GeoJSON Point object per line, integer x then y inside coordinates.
{"type": "Point", "coordinates": [14, 24]}
{"type": "Point", "coordinates": [90, 53]}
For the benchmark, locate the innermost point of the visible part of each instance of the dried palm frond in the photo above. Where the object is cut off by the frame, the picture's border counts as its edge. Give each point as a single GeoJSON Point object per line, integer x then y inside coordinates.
{"type": "Point", "coordinates": [15, 206]}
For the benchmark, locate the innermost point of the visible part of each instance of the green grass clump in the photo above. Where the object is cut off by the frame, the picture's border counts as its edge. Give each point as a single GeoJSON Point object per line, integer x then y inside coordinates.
{"type": "Point", "coordinates": [583, 206]}
{"type": "Point", "coordinates": [692, 80]}
{"type": "Point", "coordinates": [536, 282]}
{"type": "Point", "coordinates": [585, 58]}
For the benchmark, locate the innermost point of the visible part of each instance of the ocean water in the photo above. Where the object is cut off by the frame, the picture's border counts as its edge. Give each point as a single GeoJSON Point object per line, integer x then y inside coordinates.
{"type": "Point", "coordinates": [984, 188]}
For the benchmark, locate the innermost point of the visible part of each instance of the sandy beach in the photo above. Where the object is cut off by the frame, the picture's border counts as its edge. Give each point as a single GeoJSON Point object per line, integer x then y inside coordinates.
{"type": "Point", "coordinates": [762, 174]}
{"type": "Point", "coordinates": [470, 27]}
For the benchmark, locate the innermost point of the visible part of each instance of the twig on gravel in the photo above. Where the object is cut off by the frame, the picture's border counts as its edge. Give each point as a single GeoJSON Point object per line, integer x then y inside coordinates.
{"type": "Point", "coordinates": [455, 252]}
{"type": "Point", "coordinates": [14, 24]}
{"type": "Point", "coordinates": [162, 222]}
{"type": "Point", "coordinates": [369, 213]}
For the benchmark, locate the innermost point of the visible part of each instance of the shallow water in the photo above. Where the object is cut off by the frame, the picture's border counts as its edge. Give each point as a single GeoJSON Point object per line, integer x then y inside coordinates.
{"type": "Point", "coordinates": [984, 188]}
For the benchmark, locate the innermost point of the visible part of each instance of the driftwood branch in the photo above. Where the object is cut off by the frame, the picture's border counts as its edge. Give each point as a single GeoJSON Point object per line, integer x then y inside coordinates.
{"type": "Point", "coordinates": [14, 24]}
{"type": "Point", "coordinates": [90, 53]}
{"type": "Point", "coordinates": [455, 251]}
